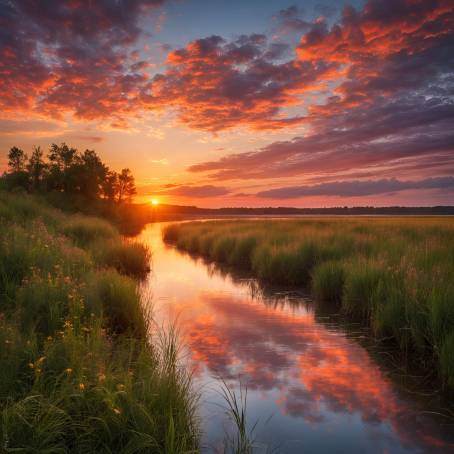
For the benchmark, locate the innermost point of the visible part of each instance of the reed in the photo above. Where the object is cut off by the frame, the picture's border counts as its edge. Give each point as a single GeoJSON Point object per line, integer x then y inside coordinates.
{"type": "Point", "coordinates": [393, 274]}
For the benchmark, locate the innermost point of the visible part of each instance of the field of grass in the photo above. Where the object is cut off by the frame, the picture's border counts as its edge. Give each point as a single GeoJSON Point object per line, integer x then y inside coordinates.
{"type": "Point", "coordinates": [78, 371]}
{"type": "Point", "coordinates": [394, 274]}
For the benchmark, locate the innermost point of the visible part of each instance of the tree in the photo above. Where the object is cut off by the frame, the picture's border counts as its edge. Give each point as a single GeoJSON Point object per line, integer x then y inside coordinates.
{"type": "Point", "coordinates": [126, 187]}
{"type": "Point", "coordinates": [62, 162]}
{"type": "Point", "coordinates": [17, 159]}
{"type": "Point", "coordinates": [110, 185]}
{"type": "Point", "coordinates": [36, 168]}
{"type": "Point", "coordinates": [92, 174]}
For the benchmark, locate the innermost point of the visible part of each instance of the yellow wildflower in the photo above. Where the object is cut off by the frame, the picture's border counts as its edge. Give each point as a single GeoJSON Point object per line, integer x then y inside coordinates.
{"type": "Point", "coordinates": [81, 386]}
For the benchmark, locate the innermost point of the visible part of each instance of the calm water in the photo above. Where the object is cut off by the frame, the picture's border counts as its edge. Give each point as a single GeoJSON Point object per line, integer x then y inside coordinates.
{"type": "Point", "coordinates": [312, 386]}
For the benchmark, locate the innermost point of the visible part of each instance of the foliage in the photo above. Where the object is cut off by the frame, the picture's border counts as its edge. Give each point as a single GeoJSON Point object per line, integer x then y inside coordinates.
{"type": "Point", "coordinates": [70, 172]}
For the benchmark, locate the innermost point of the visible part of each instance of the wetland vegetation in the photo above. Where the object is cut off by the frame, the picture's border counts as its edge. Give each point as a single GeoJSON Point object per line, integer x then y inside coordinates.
{"type": "Point", "coordinates": [396, 275]}
{"type": "Point", "coordinates": [81, 367]}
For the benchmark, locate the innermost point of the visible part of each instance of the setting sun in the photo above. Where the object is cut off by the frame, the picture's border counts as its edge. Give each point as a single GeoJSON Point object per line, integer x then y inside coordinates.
{"type": "Point", "coordinates": [154, 202]}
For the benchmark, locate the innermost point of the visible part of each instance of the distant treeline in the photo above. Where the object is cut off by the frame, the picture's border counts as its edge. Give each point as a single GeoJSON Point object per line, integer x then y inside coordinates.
{"type": "Point", "coordinates": [66, 170]}
{"type": "Point", "coordinates": [283, 211]}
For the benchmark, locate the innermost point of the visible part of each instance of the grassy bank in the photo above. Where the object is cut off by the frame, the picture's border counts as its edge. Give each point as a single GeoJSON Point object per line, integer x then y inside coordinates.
{"type": "Point", "coordinates": [394, 274]}
{"type": "Point", "coordinates": [78, 372]}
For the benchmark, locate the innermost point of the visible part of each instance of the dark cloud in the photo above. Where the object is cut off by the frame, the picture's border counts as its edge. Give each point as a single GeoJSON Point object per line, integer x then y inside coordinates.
{"type": "Point", "coordinates": [357, 188]}
{"type": "Point", "coordinates": [291, 20]}
{"type": "Point", "coordinates": [76, 56]}
{"type": "Point", "coordinates": [216, 84]}
{"type": "Point", "coordinates": [196, 191]}
{"type": "Point", "coordinates": [390, 133]}
{"type": "Point", "coordinates": [393, 108]}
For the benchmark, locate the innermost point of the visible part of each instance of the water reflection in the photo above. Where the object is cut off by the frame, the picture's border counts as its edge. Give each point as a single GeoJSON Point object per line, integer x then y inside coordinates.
{"type": "Point", "coordinates": [322, 388]}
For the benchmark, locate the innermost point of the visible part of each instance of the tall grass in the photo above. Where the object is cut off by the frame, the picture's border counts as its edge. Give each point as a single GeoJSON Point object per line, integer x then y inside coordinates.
{"type": "Point", "coordinates": [80, 368]}
{"type": "Point", "coordinates": [242, 440]}
{"type": "Point", "coordinates": [394, 274]}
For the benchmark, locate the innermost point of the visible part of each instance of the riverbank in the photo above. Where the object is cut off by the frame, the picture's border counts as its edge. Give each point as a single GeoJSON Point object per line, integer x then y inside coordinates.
{"type": "Point", "coordinates": [395, 275]}
{"type": "Point", "coordinates": [78, 372]}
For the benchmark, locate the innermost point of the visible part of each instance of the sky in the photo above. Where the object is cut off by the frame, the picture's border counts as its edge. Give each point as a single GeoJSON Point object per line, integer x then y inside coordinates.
{"type": "Point", "coordinates": [240, 103]}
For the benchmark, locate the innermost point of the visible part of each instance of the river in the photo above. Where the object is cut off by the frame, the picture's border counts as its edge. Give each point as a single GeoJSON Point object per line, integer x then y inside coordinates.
{"type": "Point", "coordinates": [314, 383]}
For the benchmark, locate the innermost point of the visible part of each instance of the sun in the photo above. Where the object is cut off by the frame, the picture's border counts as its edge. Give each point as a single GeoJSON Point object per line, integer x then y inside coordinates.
{"type": "Point", "coordinates": [154, 202]}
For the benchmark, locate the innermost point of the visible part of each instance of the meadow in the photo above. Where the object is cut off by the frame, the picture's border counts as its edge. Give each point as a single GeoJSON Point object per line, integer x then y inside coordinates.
{"type": "Point", "coordinates": [395, 275]}
{"type": "Point", "coordinates": [82, 369]}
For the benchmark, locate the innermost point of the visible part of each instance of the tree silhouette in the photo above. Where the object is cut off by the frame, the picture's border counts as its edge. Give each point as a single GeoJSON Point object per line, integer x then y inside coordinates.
{"type": "Point", "coordinates": [126, 187]}
{"type": "Point", "coordinates": [110, 185]}
{"type": "Point", "coordinates": [93, 173]}
{"type": "Point", "coordinates": [36, 168]}
{"type": "Point", "coordinates": [62, 162]}
{"type": "Point", "coordinates": [69, 172]}
{"type": "Point", "coordinates": [17, 159]}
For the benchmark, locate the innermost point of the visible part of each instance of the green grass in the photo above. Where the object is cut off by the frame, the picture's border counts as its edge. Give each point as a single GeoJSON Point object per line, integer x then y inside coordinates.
{"type": "Point", "coordinates": [127, 257]}
{"type": "Point", "coordinates": [81, 369]}
{"type": "Point", "coordinates": [328, 281]}
{"type": "Point", "coordinates": [393, 274]}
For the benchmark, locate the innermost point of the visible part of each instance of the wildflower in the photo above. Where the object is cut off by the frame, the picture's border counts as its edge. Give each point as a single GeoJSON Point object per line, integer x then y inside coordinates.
{"type": "Point", "coordinates": [68, 370]}
{"type": "Point", "coordinates": [31, 365]}
{"type": "Point", "coordinates": [49, 338]}
{"type": "Point", "coordinates": [101, 377]}
{"type": "Point", "coordinates": [117, 411]}
{"type": "Point", "coordinates": [40, 360]}
{"type": "Point", "coordinates": [81, 386]}
{"type": "Point", "coordinates": [120, 387]}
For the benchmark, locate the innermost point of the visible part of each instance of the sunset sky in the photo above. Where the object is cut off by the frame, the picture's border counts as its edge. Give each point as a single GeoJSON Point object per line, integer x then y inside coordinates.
{"type": "Point", "coordinates": [240, 102]}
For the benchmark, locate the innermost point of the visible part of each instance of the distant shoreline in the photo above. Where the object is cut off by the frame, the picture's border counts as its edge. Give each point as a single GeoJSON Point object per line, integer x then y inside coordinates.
{"type": "Point", "coordinates": [164, 211]}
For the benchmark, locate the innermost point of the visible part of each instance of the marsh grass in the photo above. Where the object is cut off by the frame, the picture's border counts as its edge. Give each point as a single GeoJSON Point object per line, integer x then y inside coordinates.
{"type": "Point", "coordinates": [85, 230]}
{"type": "Point", "coordinates": [328, 281]}
{"type": "Point", "coordinates": [393, 274]}
{"type": "Point", "coordinates": [80, 368]}
{"type": "Point", "coordinates": [242, 441]}
{"type": "Point", "coordinates": [127, 257]}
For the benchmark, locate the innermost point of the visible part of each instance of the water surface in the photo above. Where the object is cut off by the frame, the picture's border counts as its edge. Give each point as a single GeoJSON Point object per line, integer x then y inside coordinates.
{"type": "Point", "coordinates": [312, 385]}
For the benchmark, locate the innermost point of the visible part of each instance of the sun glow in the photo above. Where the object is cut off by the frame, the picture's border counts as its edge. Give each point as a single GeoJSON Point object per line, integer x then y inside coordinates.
{"type": "Point", "coordinates": [154, 202]}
